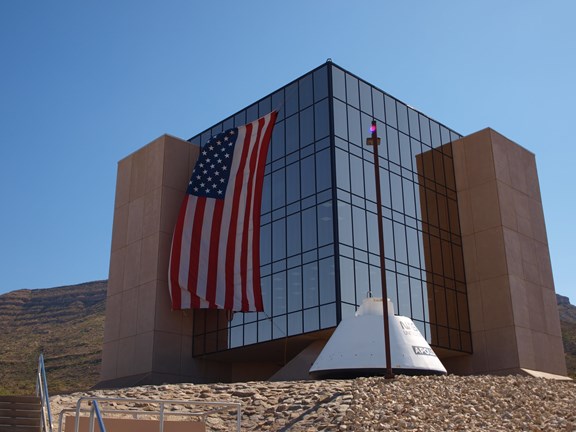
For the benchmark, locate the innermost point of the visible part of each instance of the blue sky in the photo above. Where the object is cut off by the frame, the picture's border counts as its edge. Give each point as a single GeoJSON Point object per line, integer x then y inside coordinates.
{"type": "Point", "coordinates": [84, 84]}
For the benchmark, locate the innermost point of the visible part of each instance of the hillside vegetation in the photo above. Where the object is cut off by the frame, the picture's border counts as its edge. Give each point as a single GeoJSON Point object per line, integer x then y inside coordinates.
{"type": "Point", "coordinates": [567, 314]}
{"type": "Point", "coordinates": [67, 324]}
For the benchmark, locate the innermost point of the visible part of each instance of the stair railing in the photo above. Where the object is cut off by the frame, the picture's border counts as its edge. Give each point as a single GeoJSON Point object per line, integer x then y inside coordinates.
{"type": "Point", "coordinates": [96, 410]}
{"type": "Point", "coordinates": [42, 393]}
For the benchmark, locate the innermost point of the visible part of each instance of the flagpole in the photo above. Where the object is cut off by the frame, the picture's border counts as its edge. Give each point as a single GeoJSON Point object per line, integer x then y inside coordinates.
{"type": "Point", "coordinates": [375, 142]}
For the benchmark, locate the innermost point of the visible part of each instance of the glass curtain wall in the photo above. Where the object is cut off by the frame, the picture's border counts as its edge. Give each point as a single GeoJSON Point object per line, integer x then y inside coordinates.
{"type": "Point", "coordinates": [319, 244]}
{"type": "Point", "coordinates": [297, 230]}
{"type": "Point", "coordinates": [423, 245]}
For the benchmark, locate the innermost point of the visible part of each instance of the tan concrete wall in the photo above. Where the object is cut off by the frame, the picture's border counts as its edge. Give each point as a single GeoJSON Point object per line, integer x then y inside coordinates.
{"type": "Point", "coordinates": [145, 342]}
{"type": "Point", "coordinates": [142, 335]}
{"type": "Point", "coordinates": [513, 314]}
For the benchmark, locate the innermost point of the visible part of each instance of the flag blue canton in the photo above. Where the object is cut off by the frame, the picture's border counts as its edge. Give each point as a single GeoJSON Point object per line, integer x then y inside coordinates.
{"type": "Point", "coordinates": [212, 170]}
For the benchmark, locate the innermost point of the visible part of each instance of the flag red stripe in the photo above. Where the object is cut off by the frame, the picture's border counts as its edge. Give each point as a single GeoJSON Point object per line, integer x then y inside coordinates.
{"type": "Point", "coordinates": [231, 246]}
{"type": "Point", "coordinates": [195, 251]}
{"type": "Point", "coordinates": [246, 246]}
{"type": "Point", "coordinates": [259, 176]}
{"type": "Point", "coordinates": [213, 257]}
{"type": "Point", "coordinates": [175, 257]}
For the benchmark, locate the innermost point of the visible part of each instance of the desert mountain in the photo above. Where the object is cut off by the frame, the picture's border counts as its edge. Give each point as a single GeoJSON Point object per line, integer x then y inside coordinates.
{"type": "Point", "coordinates": [67, 324]}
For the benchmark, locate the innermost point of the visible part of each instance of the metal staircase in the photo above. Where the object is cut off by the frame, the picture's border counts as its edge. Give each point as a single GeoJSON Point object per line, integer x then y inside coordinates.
{"type": "Point", "coordinates": [20, 414]}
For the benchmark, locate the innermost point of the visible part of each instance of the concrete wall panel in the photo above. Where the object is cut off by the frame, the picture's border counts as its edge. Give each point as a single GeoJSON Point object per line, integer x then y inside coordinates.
{"type": "Point", "coordinates": [513, 315]}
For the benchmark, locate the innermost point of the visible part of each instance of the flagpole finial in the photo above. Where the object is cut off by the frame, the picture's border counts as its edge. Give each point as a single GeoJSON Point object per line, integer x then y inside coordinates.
{"type": "Point", "coordinates": [328, 60]}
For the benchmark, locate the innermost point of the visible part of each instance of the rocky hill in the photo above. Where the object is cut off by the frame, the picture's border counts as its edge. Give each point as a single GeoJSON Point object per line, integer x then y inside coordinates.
{"type": "Point", "coordinates": [67, 324]}
{"type": "Point", "coordinates": [567, 314]}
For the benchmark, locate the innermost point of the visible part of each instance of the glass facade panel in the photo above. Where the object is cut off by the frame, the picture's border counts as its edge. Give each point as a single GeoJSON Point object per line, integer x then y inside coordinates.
{"type": "Point", "coordinates": [421, 226]}
{"type": "Point", "coordinates": [340, 120]}
{"type": "Point", "coordinates": [320, 84]}
{"type": "Point", "coordinates": [321, 119]}
{"type": "Point", "coordinates": [318, 237]}
{"type": "Point", "coordinates": [306, 127]}
{"type": "Point", "coordinates": [305, 91]}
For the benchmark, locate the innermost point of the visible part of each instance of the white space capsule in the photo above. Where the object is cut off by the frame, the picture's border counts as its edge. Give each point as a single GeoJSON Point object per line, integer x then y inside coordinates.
{"type": "Point", "coordinates": [356, 348]}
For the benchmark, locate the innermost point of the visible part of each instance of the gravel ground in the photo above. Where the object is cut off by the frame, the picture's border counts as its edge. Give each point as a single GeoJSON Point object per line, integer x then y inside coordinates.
{"type": "Point", "coordinates": [445, 403]}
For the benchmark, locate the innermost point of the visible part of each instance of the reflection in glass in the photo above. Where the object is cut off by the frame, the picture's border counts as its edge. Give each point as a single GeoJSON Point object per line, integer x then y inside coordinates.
{"type": "Point", "coordinates": [264, 330]}
{"type": "Point", "coordinates": [279, 327]}
{"type": "Point", "coordinates": [365, 98]}
{"type": "Point", "coordinates": [252, 113]}
{"type": "Point", "coordinates": [354, 127]}
{"type": "Point", "coordinates": [327, 274]}
{"type": "Point", "coordinates": [278, 239]}
{"type": "Point", "coordinates": [306, 127]}
{"type": "Point", "coordinates": [320, 84]}
{"type": "Point", "coordinates": [291, 99]}
{"type": "Point", "coordinates": [345, 223]}
{"type": "Point", "coordinates": [357, 175]}
{"type": "Point", "coordinates": [340, 120]}
{"type": "Point", "coordinates": [323, 170]}
{"type": "Point", "coordinates": [236, 337]}
{"type": "Point", "coordinates": [339, 84]}
{"type": "Point", "coordinates": [309, 239]}
{"type": "Point", "coordinates": [311, 319]}
{"type": "Point", "coordinates": [279, 293]}
{"type": "Point", "coordinates": [393, 149]}
{"type": "Point", "coordinates": [308, 176]}
{"type": "Point", "coordinates": [318, 254]}
{"type": "Point", "coordinates": [292, 183]}
{"type": "Point", "coordinates": [328, 316]}
{"type": "Point", "coordinates": [402, 114]}
{"type": "Point", "coordinates": [250, 333]}
{"type": "Point", "coordinates": [352, 91]}
{"type": "Point", "coordinates": [293, 240]}
{"type": "Point", "coordinates": [305, 91]}
{"type": "Point", "coordinates": [321, 120]}
{"type": "Point", "coordinates": [292, 134]}
{"type": "Point", "coordinates": [324, 223]}
{"type": "Point", "coordinates": [359, 228]}
{"type": "Point", "coordinates": [362, 281]}
{"type": "Point", "coordinates": [294, 289]}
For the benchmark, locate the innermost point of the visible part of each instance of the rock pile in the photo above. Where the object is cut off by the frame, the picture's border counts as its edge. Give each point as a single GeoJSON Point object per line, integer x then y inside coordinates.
{"type": "Point", "coordinates": [445, 403]}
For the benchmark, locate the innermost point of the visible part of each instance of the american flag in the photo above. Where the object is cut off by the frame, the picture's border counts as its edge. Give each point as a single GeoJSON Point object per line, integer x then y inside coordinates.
{"type": "Point", "coordinates": [215, 254]}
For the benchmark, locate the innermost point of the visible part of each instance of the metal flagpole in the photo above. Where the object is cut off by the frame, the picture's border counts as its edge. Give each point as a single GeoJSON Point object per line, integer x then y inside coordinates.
{"type": "Point", "coordinates": [375, 142]}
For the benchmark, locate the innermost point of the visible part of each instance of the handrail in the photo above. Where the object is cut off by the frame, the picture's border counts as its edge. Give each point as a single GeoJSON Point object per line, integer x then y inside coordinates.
{"type": "Point", "coordinates": [161, 412]}
{"type": "Point", "coordinates": [42, 393]}
{"type": "Point", "coordinates": [96, 409]}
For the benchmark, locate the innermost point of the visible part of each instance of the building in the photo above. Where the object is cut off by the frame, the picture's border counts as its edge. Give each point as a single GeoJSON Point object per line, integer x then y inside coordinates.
{"type": "Point", "coordinates": [465, 244]}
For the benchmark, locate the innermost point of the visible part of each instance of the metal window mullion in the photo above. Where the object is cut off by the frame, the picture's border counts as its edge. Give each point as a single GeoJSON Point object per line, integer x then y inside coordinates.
{"type": "Point", "coordinates": [419, 233]}
{"type": "Point", "coordinates": [428, 233]}
{"type": "Point", "coordinates": [335, 223]}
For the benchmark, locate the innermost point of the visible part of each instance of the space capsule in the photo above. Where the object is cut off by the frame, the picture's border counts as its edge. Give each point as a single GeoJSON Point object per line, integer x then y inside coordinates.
{"type": "Point", "coordinates": [356, 348]}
